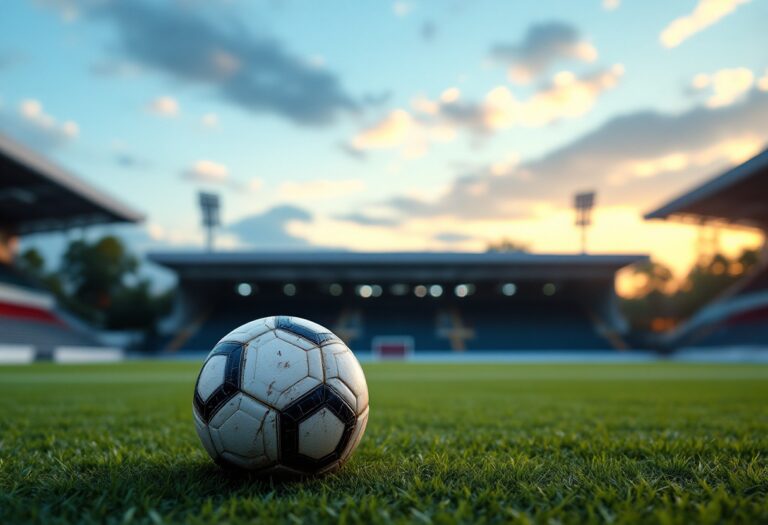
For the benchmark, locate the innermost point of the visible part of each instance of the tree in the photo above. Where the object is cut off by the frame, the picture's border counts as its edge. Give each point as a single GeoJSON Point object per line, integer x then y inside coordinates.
{"type": "Point", "coordinates": [99, 281]}
{"type": "Point", "coordinates": [650, 300]}
{"type": "Point", "coordinates": [652, 277]}
{"type": "Point", "coordinates": [97, 271]}
{"type": "Point", "coordinates": [506, 245]}
{"type": "Point", "coordinates": [659, 302]}
{"type": "Point", "coordinates": [32, 263]}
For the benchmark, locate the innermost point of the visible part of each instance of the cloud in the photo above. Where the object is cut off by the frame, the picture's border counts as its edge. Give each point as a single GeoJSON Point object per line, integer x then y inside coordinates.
{"type": "Point", "coordinates": [726, 85]}
{"type": "Point", "coordinates": [251, 71]}
{"type": "Point", "coordinates": [402, 8]}
{"type": "Point", "coordinates": [325, 189]}
{"type": "Point", "coordinates": [350, 151]}
{"type": "Point", "coordinates": [270, 229]}
{"type": "Point", "coordinates": [130, 161]}
{"type": "Point", "coordinates": [610, 5]}
{"type": "Point", "coordinates": [364, 219]}
{"type": "Point", "coordinates": [207, 171]}
{"type": "Point", "coordinates": [705, 14]}
{"type": "Point", "coordinates": [428, 30]}
{"type": "Point", "coordinates": [567, 96]}
{"type": "Point", "coordinates": [403, 131]}
{"type": "Point", "coordinates": [165, 106]}
{"type": "Point", "coordinates": [213, 173]}
{"type": "Point", "coordinates": [542, 46]}
{"type": "Point", "coordinates": [36, 128]}
{"type": "Point", "coordinates": [631, 159]}
{"type": "Point", "coordinates": [388, 133]}
{"type": "Point", "coordinates": [762, 83]}
{"type": "Point", "coordinates": [452, 237]}
{"type": "Point", "coordinates": [210, 120]}
{"type": "Point", "coordinates": [116, 69]}
{"type": "Point", "coordinates": [436, 121]}
{"type": "Point", "coordinates": [68, 10]}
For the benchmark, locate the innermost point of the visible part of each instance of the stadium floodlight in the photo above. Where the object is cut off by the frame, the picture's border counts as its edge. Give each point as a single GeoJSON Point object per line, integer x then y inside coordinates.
{"type": "Point", "coordinates": [461, 290]}
{"type": "Point", "coordinates": [244, 289]}
{"type": "Point", "coordinates": [509, 289]}
{"type": "Point", "coordinates": [584, 203]}
{"type": "Point", "coordinates": [210, 205]}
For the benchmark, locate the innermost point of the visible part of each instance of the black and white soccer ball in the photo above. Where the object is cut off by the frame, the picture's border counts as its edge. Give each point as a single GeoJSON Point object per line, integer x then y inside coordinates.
{"type": "Point", "coordinates": [281, 395]}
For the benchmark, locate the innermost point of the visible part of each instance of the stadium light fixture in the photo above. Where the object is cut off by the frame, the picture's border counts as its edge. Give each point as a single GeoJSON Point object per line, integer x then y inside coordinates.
{"type": "Point", "coordinates": [364, 291]}
{"type": "Point", "coordinates": [461, 290]}
{"type": "Point", "coordinates": [210, 205]}
{"type": "Point", "coordinates": [420, 291]}
{"type": "Point", "coordinates": [244, 289]}
{"type": "Point", "coordinates": [289, 289]}
{"type": "Point", "coordinates": [584, 203]}
{"type": "Point", "coordinates": [509, 289]}
{"type": "Point", "coordinates": [335, 289]}
{"type": "Point", "coordinates": [549, 289]}
{"type": "Point", "coordinates": [435, 290]}
{"type": "Point", "coordinates": [376, 290]}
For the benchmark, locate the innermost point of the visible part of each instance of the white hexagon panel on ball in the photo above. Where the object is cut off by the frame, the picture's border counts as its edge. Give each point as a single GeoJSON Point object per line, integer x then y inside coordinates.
{"type": "Point", "coordinates": [281, 394]}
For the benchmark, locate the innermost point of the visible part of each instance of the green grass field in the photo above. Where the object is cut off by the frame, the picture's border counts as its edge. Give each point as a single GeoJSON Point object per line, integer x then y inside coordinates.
{"type": "Point", "coordinates": [658, 443]}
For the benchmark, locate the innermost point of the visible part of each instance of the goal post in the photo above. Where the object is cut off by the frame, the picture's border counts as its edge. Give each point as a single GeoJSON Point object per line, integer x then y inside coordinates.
{"type": "Point", "coordinates": [394, 347]}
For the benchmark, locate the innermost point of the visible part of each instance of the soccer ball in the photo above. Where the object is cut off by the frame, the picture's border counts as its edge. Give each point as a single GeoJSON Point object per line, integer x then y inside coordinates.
{"type": "Point", "coordinates": [281, 395]}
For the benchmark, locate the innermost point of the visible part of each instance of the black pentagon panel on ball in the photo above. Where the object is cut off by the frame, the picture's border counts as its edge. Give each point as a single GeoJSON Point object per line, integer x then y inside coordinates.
{"type": "Point", "coordinates": [322, 396]}
{"type": "Point", "coordinates": [231, 385]}
{"type": "Point", "coordinates": [287, 324]}
{"type": "Point", "coordinates": [225, 347]}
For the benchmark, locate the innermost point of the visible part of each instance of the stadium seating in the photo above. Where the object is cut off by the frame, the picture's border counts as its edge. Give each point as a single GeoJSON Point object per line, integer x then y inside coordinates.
{"type": "Point", "coordinates": [44, 336]}
{"type": "Point", "coordinates": [28, 317]}
{"type": "Point", "coordinates": [224, 316]}
{"type": "Point", "coordinates": [482, 325]}
{"type": "Point", "coordinates": [12, 277]}
{"type": "Point", "coordinates": [386, 319]}
{"type": "Point", "coordinates": [738, 319]}
{"type": "Point", "coordinates": [532, 326]}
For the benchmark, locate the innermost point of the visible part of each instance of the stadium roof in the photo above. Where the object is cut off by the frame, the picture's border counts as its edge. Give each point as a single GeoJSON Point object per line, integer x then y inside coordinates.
{"type": "Point", "coordinates": [390, 267]}
{"type": "Point", "coordinates": [738, 196]}
{"type": "Point", "coordinates": [36, 195]}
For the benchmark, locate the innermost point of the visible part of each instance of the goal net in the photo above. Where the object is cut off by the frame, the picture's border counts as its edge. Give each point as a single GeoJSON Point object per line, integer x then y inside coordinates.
{"type": "Point", "coordinates": [392, 347]}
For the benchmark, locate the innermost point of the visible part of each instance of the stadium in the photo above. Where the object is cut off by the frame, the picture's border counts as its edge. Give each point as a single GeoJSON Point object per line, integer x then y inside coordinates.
{"type": "Point", "coordinates": [737, 318]}
{"type": "Point", "coordinates": [398, 303]}
{"type": "Point", "coordinates": [278, 262]}
{"type": "Point", "coordinates": [428, 306]}
{"type": "Point", "coordinates": [39, 197]}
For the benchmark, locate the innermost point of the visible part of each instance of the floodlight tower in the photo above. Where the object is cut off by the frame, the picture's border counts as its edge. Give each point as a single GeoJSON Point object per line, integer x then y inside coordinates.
{"type": "Point", "coordinates": [584, 203]}
{"type": "Point", "coordinates": [210, 206]}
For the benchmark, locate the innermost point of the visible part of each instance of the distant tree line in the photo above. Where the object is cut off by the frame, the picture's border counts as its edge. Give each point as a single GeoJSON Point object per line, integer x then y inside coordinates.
{"type": "Point", "coordinates": [660, 302]}
{"type": "Point", "coordinates": [99, 282]}
{"type": "Point", "coordinates": [506, 245]}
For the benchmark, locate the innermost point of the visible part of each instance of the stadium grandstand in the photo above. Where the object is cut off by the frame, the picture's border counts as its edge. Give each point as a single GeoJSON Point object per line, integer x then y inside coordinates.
{"type": "Point", "coordinates": [739, 197]}
{"type": "Point", "coordinates": [395, 303]}
{"type": "Point", "coordinates": [37, 196]}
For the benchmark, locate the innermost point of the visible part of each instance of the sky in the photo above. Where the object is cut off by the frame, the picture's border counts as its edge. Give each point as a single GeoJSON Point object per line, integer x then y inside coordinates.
{"type": "Point", "coordinates": [380, 125]}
